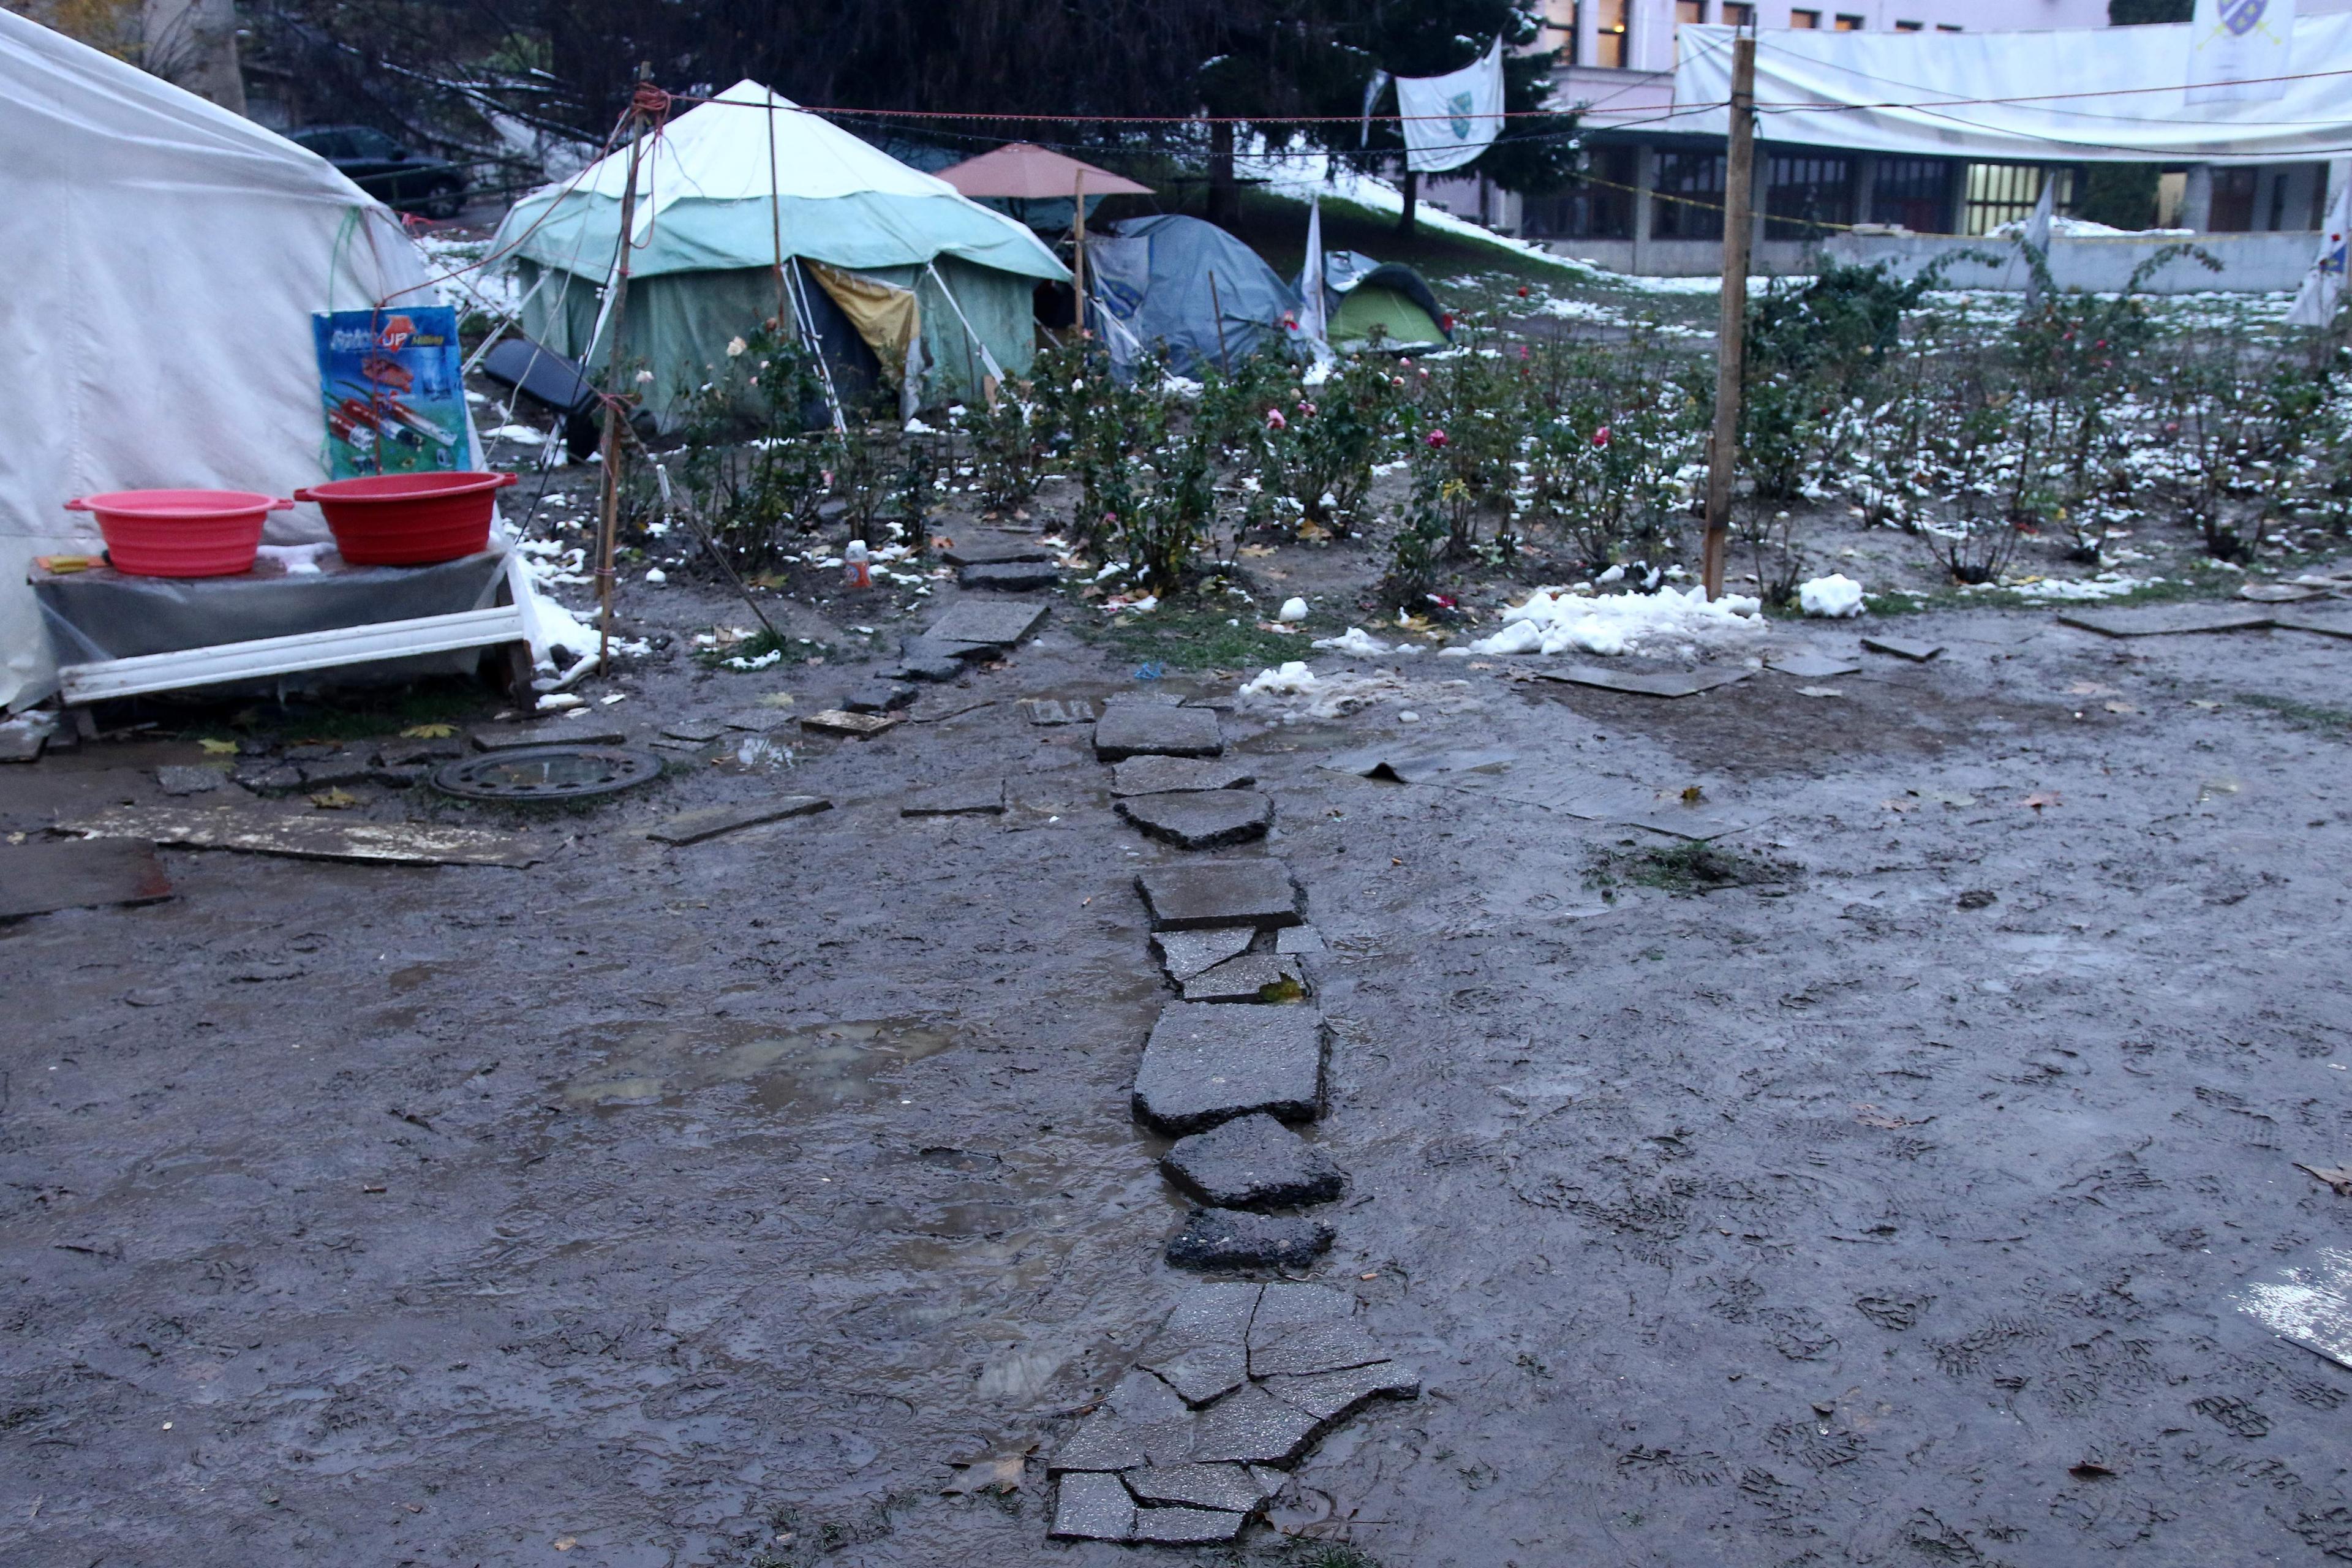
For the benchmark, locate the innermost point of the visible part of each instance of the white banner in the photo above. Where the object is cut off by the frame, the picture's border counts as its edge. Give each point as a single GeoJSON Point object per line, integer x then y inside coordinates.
{"type": "Point", "coordinates": [2323, 286]}
{"type": "Point", "coordinates": [2235, 44]}
{"type": "Point", "coordinates": [1450, 120]}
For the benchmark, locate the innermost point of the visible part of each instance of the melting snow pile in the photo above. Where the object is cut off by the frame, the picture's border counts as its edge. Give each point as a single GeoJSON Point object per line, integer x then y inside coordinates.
{"type": "Point", "coordinates": [1293, 679]}
{"type": "Point", "coordinates": [1613, 624]}
{"type": "Point", "coordinates": [2105, 586]}
{"type": "Point", "coordinates": [1359, 642]}
{"type": "Point", "coordinates": [1836, 596]}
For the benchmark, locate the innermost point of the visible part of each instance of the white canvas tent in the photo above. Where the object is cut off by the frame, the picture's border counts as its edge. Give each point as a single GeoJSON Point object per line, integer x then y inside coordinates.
{"type": "Point", "coordinates": [164, 257]}
{"type": "Point", "coordinates": [2109, 95]}
{"type": "Point", "coordinates": [735, 187]}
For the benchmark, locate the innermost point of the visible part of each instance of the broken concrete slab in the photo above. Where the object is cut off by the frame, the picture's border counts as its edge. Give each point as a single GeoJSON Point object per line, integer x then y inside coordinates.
{"type": "Point", "coordinates": [761, 720]}
{"type": "Point", "coordinates": [82, 873]}
{"type": "Point", "coordinates": [1171, 776]}
{"type": "Point", "coordinates": [995, 623]}
{"type": "Point", "coordinates": [312, 837]}
{"type": "Point", "coordinates": [2159, 620]}
{"type": "Point", "coordinates": [1184, 953]}
{"type": "Point", "coordinates": [1201, 819]}
{"type": "Point", "coordinates": [925, 664]}
{"type": "Point", "coordinates": [694, 731]}
{"type": "Point", "coordinates": [989, 553]}
{"type": "Point", "coordinates": [1154, 729]}
{"type": "Point", "coordinates": [1641, 683]}
{"type": "Point", "coordinates": [1088, 1507]}
{"type": "Point", "coordinates": [553, 733]}
{"type": "Point", "coordinates": [1206, 893]}
{"type": "Point", "coordinates": [185, 781]}
{"type": "Point", "coordinates": [1253, 1162]}
{"type": "Point", "coordinates": [2308, 1303]}
{"type": "Point", "coordinates": [1234, 1488]}
{"type": "Point", "coordinates": [1809, 665]}
{"type": "Point", "coordinates": [970, 797]}
{"type": "Point", "coordinates": [1308, 1329]}
{"type": "Point", "coordinates": [22, 737]}
{"type": "Point", "coordinates": [1252, 1427]}
{"type": "Point", "coordinates": [1897, 648]}
{"type": "Point", "coordinates": [1424, 766]}
{"type": "Point", "coordinates": [711, 821]}
{"type": "Point", "coordinates": [1057, 710]}
{"type": "Point", "coordinates": [1335, 1395]}
{"type": "Point", "coordinates": [1141, 1421]}
{"type": "Point", "coordinates": [2329, 620]}
{"type": "Point", "coordinates": [1206, 1063]}
{"type": "Point", "coordinates": [1009, 576]}
{"type": "Point", "coordinates": [2284, 593]}
{"type": "Point", "coordinates": [1253, 977]}
{"type": "Point", "coordinates": [1204, 1372]}
{"type": "Point", "coordinates": [878, 697]}
{"type": "Point", "coordinates": [838, 722]}
{"type": "Point", "coordinates": [1299, 941]}
{"type": "Point", "coordinates": [1202, 1350]}
{"type": "Point", "coordinates": [1185, 1526]}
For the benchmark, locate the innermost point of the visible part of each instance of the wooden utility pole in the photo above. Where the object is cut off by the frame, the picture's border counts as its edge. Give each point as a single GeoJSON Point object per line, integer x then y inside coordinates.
{"type": "Point", "coordinates": [1731, 328]}
{"type": "Point", "coordinates": [608, 516]}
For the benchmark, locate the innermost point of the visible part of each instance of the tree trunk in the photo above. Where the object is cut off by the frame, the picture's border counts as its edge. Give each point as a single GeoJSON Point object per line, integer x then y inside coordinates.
{"type": "Point", "coordinates": [1412, 199]}
{"type": "Point", "coordinates": [1224, 195]}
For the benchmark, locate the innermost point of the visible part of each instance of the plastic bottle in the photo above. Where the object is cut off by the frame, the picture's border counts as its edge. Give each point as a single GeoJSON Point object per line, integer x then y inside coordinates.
{"type": "Point", "coordinates": [857, 565]}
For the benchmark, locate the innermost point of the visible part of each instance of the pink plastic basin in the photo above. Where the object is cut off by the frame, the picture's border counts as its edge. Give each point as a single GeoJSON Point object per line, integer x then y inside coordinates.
{"type": "Point", "coordinates": [180, 534]}
{"type": "Point", "coordinates": [408, 520]}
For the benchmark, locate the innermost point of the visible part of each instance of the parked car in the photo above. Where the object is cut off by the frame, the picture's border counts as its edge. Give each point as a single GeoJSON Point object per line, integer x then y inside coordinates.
{"type": "Point", "coordinates": [388, 170]}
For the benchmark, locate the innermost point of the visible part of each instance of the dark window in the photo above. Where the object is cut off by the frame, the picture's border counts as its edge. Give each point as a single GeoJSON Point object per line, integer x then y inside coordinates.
{"type": "Point", "coordinates": [1907, 26]}
{"type": "Point", "coordinates": [1599, 206]}
{"type": "Point", "coordinates": [1689, 13]}
{"type": "Point", "coordinates": [1913, 192]}
{"type": "Point", "coordinates": [1804, 18]}
{"type": "Point", "coordinates": [2007, 193]}
{"type": "Point", "coordinates": [1737, 15]}
{"type": "Point", "coordinates": [2233, 200]}
{"type": "Point", "coordinates": [1849, 24]}
{"type": "Point", "coordinates": [369, 143]}
{"type": "Point", "coordinates": [1804, 196]}
{"type": "Point", "coordinates": [1689, 204]}
{"type": "Point", "coordinates": [1946, 28]}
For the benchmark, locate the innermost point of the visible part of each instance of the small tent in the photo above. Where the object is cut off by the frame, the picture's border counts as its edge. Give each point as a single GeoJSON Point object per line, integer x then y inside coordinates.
{"type": "Point", "coordinates": [1189, 286]}
{"type": "Point", "coordinates": [749, 195]}
{"type": "Point", "coordinates": [1368, 300]}
{"type": "Point", "coordinates": [164, 258]}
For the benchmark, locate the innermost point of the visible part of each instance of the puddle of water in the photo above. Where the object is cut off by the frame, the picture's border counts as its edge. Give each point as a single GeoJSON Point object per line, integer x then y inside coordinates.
{"type": "Point", "coordinates": [751, 753]}
{"type": "Point", "coordinates": [829, 1065]}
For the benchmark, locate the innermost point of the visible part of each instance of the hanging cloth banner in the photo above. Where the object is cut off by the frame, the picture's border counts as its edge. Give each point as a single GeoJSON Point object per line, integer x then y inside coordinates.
{"type": "Point", "coordinates": [1314, 310]}
{"type": "Point", "coordinates": [2323, 286]}
{"type": "Point", "coordinates": [1450, 120]}
{"type": "Point", "coordinates": [2233, 44]}
{"type": "Point", "coordinates": [2036, 237]}
{"type": "Point", "coordinates": [1371, 97]}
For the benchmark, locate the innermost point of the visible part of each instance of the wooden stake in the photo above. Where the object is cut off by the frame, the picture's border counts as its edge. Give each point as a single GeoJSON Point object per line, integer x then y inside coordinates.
{"type": "Point", "coordinates": [608, 519]}
{"type": "Point", "coordinates": [1731, 327]}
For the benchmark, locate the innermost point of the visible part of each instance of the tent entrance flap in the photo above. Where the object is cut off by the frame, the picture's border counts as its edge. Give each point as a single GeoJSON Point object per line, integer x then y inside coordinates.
{"type": "Point", "coordinates": [888, 318]}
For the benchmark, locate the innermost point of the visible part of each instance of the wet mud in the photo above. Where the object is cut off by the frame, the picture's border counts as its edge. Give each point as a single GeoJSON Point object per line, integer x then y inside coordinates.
{"type": "Point", "coordinates": [710, 1204]}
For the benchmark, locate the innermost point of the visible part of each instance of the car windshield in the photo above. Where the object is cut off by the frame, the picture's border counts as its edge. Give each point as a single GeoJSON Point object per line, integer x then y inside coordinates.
{"type": "Point", "coordinates": [366, 144]}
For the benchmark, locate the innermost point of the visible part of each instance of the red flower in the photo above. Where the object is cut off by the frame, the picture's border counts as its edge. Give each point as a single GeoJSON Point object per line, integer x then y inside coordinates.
{"type": "Point", "coordinates": [1306, 408]}
{"type": "Point", "coordinates": [1601, 437]}
{"type": "Point", "coordinates": [1445, 321]}
{"type": "Point", "coordinates": [1274, 421]}
{"type": "Point", "coordinates": [1437, 437]}
{"type": "Point", "coordinates": [1523, 290]}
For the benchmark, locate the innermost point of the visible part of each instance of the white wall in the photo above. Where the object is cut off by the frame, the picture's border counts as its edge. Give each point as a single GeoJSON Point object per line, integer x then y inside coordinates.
{"type": "Point", "coordinates": [1652, 22]}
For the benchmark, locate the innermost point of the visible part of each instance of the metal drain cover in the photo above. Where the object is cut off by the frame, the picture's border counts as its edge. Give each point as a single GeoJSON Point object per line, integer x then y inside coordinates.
{"type": "Point", "coordinates": [548, 773]}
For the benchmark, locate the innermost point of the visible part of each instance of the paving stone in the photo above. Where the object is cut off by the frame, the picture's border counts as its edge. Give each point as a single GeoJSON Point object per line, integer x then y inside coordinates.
{"type": "Point", "coordinates": [1647, 683]}
{"type": "Point", "coordinates": [928, 665]}
{"type": "Point", "coordinates": [78, 873]}
{"type": "Point", "coordinates": [1167, 775]}
{"type": "Point", "coordinates": [1184, 953]}
{"type": "Point", "coordinates": [879, 697]}
{"type": "Point", "coordinates": [1299, 941]}
{"type": "Point", "coordinates": [553, 733]}
{"type": "Point", "coordinates": [1917, 652]}
{"type": "Point", "coordinates": [1334, 1395]}
{"type": "Point", "coordinates": [760, 720]}
{"type": "Point", "coordinates": [1809, 666]}
{"type": "Point", "coordinates": [2154, 620]}
{"type": "Point", "coordinates": [710, 821]}
{"type": "Point", "coordinates": [1205, 819]}
{"type": "Point", "coordinates": [176, 781]}
{"type": "Point", "coordinates": [997, 623]}
{"type": "Point", "coordinates": [399, 777]}
{"type": "Point", "coordinates": [1284, 1307]}
{"type": "Point", "coordinates": [698, 732]}
{"type": "Point", "coordinates": [1185, 1526]}
{"type": "Point", "coordinates": [1305, 1349]}
{"type": "Point", "coordinates": [1252, 1427]}
{"type": "Point", "coordinates": [1156, 729]}
{"type": "Point", "coordinates": [1206, 1063]}
{"type": "Point", "coordinates": [1057, 710]}
{"type": "Point", "coordinates": [834, 721]}
{"type": "Point", "coordinates": [1009, 576]}
{"type": "Point", "coordinates": [1093, 1508]}
{"type": "Point", "coordinates": [337, 769]}
{"type": "Point", "coordinates": [1142, 1421]}
{"type": "Point", "coordinates": [1219, 893]}
{"type": "Point", "coordinates": [1254, 1162]}
{"type": "Point", "coordinates": [1253, 977]}
{"type": "Point", "coordinates": [1234, 1488]}
{"type": "Point", "coordinates": [421, 753]}
{"type": "Point", "coordinates": [1236, 1238]}
{"type": "Point", "coordinates": [1204, 1372]}
{"type": "Point", "coordinates": [278, 778]}
{"type": "Point", "coordinates": [971, 797]}
{"type": "Point", "coordinates": [993, 553]}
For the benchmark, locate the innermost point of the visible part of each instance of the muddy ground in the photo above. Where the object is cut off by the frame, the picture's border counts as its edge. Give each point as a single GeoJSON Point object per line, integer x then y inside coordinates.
{"type": "Point", "coordinates": [1885, 1205]}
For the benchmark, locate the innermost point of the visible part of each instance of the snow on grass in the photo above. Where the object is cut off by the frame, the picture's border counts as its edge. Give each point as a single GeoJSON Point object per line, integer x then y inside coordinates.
{"type": "Point", "coordinates": [1555, 621]}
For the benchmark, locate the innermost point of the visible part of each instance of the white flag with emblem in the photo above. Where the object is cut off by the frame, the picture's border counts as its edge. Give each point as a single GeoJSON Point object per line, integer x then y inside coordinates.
{"type": "Point", "coordinates": [2238, 49]}
{"type": "Point", "coordinates": [1451, 118]}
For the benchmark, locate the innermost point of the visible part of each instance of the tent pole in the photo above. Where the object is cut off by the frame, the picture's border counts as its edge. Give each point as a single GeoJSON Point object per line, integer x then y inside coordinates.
{"type": "Point", "coordinates": [1217, 313]}
{"type": "Point", "coordinates": [1078, 247]}
{"type": "Point", "coordinates": [776, 207]}
{"type": "Point", "coordinates": [1731, 329]}
{"type": "Point", "coordinates": [608, 518]}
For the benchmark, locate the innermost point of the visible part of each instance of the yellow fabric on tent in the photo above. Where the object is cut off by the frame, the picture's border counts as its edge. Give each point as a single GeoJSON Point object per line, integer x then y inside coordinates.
{"type": "Point", "coordinates": [885, 315]}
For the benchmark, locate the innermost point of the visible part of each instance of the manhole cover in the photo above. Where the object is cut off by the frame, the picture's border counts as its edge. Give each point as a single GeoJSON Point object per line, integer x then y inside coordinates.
{"type": "Point", "coordinates": [547, 773]}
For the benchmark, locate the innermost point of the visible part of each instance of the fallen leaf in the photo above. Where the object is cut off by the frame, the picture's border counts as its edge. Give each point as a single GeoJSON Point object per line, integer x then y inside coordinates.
{"type": "Point", "coordinates": [2336, 1176]}
{"type": "Point", "coordinates": [428, 732]}
{"type": "Point", "coordinates": [334, 800]}
{"type": "Point", "coordinates": [219, 748]}
{"type": "Point", "coordinates": [565, 1542]}
{"type": "Point", "coordinates": [1693, 795]}
{"type": "Point", "coordinates": [1258, 550]}
{"type": "Point", "coordinates": [2042, 797]}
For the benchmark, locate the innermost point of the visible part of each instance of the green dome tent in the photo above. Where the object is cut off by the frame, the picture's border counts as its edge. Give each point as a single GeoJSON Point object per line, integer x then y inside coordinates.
{"type": "Point", "coordinates": [721, 190]}
{"type": "Point", "coordinates": [1367, 298]}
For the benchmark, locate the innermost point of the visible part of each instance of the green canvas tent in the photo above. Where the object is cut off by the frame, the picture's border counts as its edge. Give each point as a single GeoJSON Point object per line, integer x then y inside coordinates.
{"type": "Point", "coordinates": [731, 188]}
{"type": "Point", "coordinates": [1384, 302]}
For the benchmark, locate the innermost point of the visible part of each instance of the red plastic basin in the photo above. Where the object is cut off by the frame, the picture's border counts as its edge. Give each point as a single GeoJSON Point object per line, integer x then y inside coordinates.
{"type": "Point", "coordinates": [180, 534]}
{"type": "Point", "coordinates": [408, 520]}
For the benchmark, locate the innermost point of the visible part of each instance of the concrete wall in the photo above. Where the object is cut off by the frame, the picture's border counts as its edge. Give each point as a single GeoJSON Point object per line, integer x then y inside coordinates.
{"type": "Point", "coordinates": [2251, 263]}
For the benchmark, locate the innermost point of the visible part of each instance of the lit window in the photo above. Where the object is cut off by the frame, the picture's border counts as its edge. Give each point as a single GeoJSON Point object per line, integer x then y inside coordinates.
{"type": "Point", "coordinates": [1804, 18]}
{"type": "Point", "coordinates": [1689, 13]}
{"type": "Point", "coordinates": [1847, 24]}
{"type": "Point", "coordinates": [1611, 44]}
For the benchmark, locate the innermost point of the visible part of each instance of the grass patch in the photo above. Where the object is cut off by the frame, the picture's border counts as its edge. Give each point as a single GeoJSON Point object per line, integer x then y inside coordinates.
{"type": "Point", "coordinates": [1686, 869]}
{"type": "Point", "coordinates": [2309, 716]}
{"type": "Point", "coordinates": [1197, 637]}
